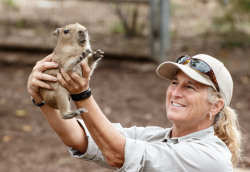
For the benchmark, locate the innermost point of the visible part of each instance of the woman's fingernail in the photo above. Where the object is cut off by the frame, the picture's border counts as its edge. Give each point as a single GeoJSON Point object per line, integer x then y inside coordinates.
{"type": "Point", "coordinates": [55, 78]}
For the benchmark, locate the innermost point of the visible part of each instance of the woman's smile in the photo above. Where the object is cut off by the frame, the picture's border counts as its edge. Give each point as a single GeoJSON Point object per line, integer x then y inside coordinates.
{"type": "Point", "coordinates": [178, 105]}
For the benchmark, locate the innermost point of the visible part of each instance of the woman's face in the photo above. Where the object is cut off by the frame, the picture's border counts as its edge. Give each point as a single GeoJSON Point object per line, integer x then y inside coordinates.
{"type": "Point", "coordinates": [186, 102]}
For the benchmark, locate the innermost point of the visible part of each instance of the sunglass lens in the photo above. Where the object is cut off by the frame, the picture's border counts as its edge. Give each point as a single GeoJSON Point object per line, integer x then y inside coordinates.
{"type": "Point", "coordinates": [200, 66]}
{"type": "Point", "coordinates": [182, 59]}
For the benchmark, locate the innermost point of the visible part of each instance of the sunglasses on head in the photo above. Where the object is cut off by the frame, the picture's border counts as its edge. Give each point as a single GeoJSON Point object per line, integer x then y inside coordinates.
{"type": "Point", "coordinates": [200, 66]}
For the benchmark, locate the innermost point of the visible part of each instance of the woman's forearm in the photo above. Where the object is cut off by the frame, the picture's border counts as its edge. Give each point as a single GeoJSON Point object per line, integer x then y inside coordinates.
{"type": "Point", "coordinates": [105, 135]}
{"type": "Point", "coordinates": [108, 139]}
{"type": "Point", "coordinates": [69, 131]}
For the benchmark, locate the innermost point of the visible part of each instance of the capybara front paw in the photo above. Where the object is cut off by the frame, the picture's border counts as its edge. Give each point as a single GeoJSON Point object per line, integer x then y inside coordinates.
{"type": "Point", "coordinates": [85, 53]}
{"type": "Point", "coordinates": [98, 54]}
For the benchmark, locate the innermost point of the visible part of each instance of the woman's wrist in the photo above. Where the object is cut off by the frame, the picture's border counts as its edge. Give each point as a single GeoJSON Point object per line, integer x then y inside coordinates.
{"type": "Point", "coordinates": [81, 96]}
{"type": "Point", "coordinates": [37, 100]}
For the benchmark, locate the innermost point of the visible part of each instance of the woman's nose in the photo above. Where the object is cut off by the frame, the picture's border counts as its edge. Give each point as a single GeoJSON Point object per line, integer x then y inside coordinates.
{"type": "Point", "coordinates": [177, 91]}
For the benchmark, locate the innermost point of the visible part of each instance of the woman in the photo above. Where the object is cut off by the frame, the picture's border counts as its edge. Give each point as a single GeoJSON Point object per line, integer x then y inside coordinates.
{"type": "Point", "coordinates": [204, 136]}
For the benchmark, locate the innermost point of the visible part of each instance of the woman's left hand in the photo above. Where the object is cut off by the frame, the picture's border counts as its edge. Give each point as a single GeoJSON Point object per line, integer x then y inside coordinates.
{"type": "Point", "coordinates": [73, 82]}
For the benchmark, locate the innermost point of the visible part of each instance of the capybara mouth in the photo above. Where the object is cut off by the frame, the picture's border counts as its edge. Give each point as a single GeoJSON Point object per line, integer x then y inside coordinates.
{"type": "Point", "coordinates": [82, 41]}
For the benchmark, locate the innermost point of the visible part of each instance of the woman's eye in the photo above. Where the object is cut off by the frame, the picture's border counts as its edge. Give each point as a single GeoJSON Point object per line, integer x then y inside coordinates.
{"type": "Point", "coordinates": [174, 83]}
{"type": "Point", "coordinates": [190, 87]}
{"type": "Point", "coordinates": [66, 31]}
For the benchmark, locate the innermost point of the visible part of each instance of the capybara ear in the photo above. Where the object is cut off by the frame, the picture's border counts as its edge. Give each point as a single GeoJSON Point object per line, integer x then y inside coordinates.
{"type": "Point", "coordinates": [57, 32]}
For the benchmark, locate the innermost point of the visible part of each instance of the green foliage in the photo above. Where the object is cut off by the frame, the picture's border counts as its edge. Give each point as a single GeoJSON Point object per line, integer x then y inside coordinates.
{"type": "Point", "coordinates": [129, 23]}
{"type": "Point", "coordinates": [21, 24]}
{"type": "Point", "coordinates": [10, 4]}
{"type": "Point", "coordinates": [235, 38]}
{"type": "Point", "coordinates": [118, 28]}
{"type": "Point", "coordinates": [225, 22]}
{"type": "Point", "coordinates": [233, 25]}
{"type": "Point", "coordinates": [242, 5]}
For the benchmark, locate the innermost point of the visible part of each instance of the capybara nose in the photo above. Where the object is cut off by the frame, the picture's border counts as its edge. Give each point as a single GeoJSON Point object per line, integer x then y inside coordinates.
{"type": "Point", "coordinates": [81, 33]}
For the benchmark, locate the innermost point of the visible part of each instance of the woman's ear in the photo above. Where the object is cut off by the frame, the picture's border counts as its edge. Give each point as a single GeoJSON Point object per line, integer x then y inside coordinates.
{"type": "Point", "coordinates": [217, 107]}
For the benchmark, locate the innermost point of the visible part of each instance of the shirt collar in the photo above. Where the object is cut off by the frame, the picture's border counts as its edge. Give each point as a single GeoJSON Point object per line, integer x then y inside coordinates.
{"type": "Point", "coordinates": [196, 135]}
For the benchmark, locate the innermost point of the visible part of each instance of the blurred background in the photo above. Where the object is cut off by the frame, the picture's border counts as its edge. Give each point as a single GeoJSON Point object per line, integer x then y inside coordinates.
{"type": "Point", "coordinates": [136, 35]}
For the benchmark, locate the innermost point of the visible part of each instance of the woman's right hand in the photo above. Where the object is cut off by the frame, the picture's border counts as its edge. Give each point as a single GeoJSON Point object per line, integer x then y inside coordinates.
{"type": "Point", "coordinates": [37, 77]}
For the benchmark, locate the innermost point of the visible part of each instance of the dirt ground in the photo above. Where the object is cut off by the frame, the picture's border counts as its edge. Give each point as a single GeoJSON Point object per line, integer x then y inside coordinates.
{"type": "Point", "coordinates": [129, 92]}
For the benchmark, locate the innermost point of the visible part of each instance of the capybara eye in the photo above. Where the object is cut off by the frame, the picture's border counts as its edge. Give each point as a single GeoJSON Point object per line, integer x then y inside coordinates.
{"type": "Point", "coordinates": [80, 32]}
{"type": "Point", "coordinates": [66, 31]}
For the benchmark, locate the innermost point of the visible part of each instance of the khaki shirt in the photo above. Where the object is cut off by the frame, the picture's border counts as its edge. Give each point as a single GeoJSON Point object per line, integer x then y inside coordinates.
{"type": "Point", "coordinates": [150, 149]}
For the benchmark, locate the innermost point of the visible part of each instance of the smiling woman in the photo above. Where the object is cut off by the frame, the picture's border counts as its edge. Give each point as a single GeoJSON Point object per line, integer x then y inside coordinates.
{"type": "Point", "coordinates": [187, 105]}
{"type": "Point", "coordinates": [199, 97]}
{"type": "Point", "coordinates": [204, 136]}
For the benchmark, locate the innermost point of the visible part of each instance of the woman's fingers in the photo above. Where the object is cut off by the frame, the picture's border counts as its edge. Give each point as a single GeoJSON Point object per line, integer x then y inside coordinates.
{"type": "Point", "coordinates": [85, 69]}
{"type": "Point", "coordinates": [46, 77]}
{"type": "Point", "coordinates": [62, 81]}
{"type": "Point", "coordinates": [34, 86]}
{"type": "Point", "coordinates": [75, 77]}
{"type": "Point", "coordinates": [73, 82]}
{"type": "Point", "coordinates": [45, 63]}
{"type": "Point", "coordinates": [65, 80]}
{"type": "Point", "coordinates": [67, 77]}
{"type": "Point", "coordinates": [37, 77]}
{"type": "Point", "coordinates": [41, 84]}
{"type": "Point", "coordinates": [47, 58]}
{"type": "Point", "coordinates": [42, 66]}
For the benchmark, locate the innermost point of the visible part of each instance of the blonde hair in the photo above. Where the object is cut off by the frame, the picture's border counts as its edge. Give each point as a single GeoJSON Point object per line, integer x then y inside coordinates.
{"type": "Point", "coordinates": [226, 127]}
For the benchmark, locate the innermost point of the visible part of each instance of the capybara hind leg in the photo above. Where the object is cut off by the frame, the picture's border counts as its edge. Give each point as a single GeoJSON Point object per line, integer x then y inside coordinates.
{"type": "Point", "coordinates": [63, 104]}
{"type": "Point", "coordinates": [75, 113]}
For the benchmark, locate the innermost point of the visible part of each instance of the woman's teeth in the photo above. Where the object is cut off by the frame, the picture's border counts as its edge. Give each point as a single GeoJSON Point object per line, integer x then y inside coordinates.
{"type": "Point", "coordinates": [177, 105]}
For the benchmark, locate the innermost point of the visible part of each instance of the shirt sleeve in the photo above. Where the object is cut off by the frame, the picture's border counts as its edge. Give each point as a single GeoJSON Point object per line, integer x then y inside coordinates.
{"type": "Point", "coordinates": [134, 155]}
{"type": "Point", "coordinates": [202, 155]}
{"type": "Point", "coordinates": [92, 149]}
{"type": "Point", "coordinates": [92, 153]}
{"type": "Point", "coordinates": [154, 157]}
{"type": "Point", "coordinates": [182, 157]}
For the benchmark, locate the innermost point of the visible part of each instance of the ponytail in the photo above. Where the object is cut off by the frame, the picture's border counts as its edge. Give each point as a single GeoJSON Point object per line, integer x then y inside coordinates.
{"type": "Point", "coordinates": [226, 127]}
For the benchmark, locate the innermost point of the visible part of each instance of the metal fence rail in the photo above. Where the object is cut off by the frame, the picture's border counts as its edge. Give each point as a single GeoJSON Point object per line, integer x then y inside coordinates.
{"type": "Point", "coordinates": [26, 23]}
{"type": "Point", "coordinates": [123, 1]}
